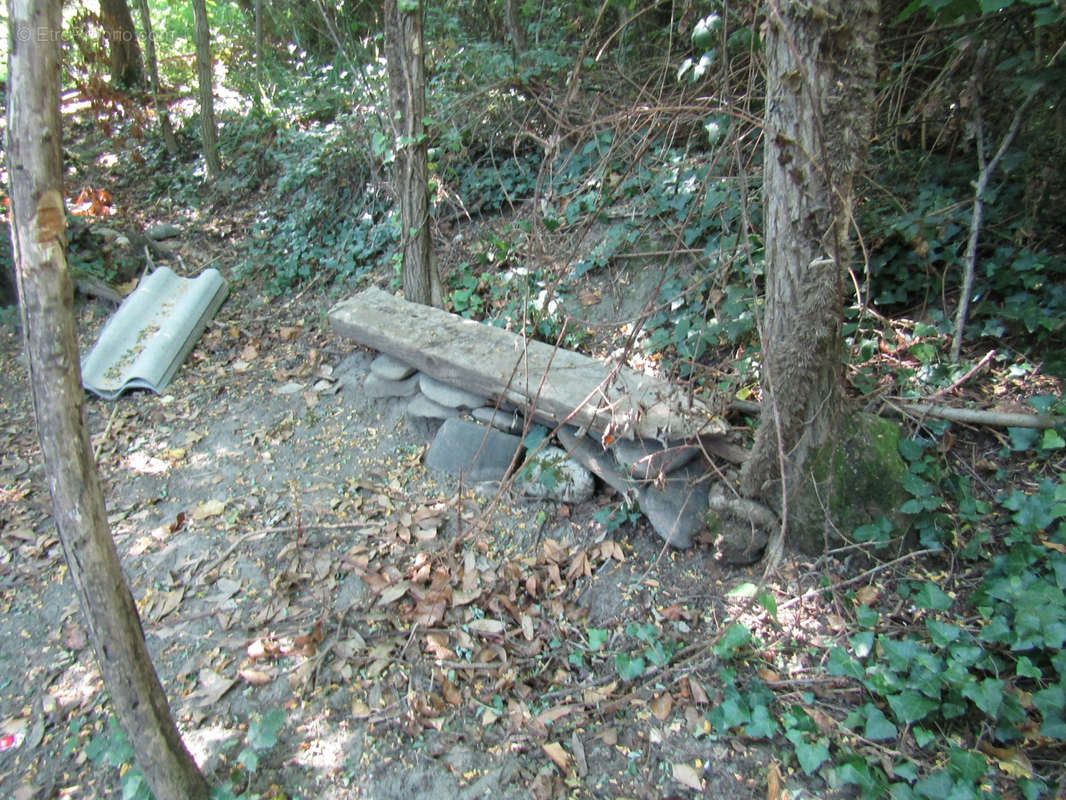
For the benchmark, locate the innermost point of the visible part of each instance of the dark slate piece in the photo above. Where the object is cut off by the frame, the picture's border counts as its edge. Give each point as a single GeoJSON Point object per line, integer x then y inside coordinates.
{"type": "Point", "coordinates": [646, 458]}
{"type": "Point", "coordinates": [481, 452]}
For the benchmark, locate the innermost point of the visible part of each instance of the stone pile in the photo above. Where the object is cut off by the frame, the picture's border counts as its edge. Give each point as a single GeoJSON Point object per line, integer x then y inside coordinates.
{"type": "Point", "coordinates": [482, 441]}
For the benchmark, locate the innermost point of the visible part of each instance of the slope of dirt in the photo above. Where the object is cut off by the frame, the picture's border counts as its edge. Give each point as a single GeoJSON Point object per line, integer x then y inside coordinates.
{"type": "Point", "coordinates": [289, 553]}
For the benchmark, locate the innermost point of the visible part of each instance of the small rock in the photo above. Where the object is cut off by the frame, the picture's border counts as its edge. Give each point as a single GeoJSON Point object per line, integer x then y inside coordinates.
{"type": "Point", "coordinates": [553, 475]}
{"type": "Point", "coordinates": [740, 526]}
{"type": "Point", "coordinates": [378, 387]}
{"type": "Point", "coordinates": [646, 458]}
{"type": "Point", "coordinates": [506, 421]}
{"type": "Point", "coordinates": [480, 452]}
{"type": "Point", "coordinates": [161, 231]}
{"type": "Point", "coordinates": [422, 406]}
{"type": "Point", "coordinates": [391, 369]}
{"type": "Point", "coordinates": [440, 392]}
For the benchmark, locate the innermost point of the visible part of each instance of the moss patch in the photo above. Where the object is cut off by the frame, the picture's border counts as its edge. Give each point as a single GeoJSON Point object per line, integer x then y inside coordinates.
{"type": "Point", "coordinates": [857, 476]}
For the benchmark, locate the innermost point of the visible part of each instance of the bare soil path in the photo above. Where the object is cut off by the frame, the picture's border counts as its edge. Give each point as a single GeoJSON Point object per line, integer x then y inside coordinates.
{"type": "Point", "coordinates": [292, 560]}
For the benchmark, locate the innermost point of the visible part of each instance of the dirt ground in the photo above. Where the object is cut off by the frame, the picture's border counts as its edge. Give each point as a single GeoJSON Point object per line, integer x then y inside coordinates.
{"type": "Point", "coordinates": [292, 559]}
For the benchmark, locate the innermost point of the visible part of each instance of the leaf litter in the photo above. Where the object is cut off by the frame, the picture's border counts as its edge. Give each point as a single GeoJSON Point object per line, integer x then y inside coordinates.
{"type": "Point", "coordinates": [287, 550]}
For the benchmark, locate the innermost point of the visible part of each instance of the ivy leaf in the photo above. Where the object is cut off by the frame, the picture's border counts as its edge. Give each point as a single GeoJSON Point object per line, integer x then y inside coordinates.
{"type": "Point", "coordinates": [628, 668]}
{"type": "Point", "coordinates": [840, 663]}
{"type": "Point", "coordinates": [1051, 703]}
{"type": "Point", "coordinates": [878, 726]}
{"type": "Point", "coordinates": [986, 695]}
{"type": "Point", "coordinates": [930, 596]}
{"type": "Point", "coordinates": [811, 755]}
{"type": "Point", "coordinates": [910, 706]}
{"type": "Point", "coordinates": [597, 638]}
{"type": "Point", "coordinates": [248, 759]}
{"type": "Point", "coordinates": [762, 725]}
{"type": "Point", "coordinates": [263, 732]}
{"type": "Point", "coordinates": [735, 637]}
{"type": "Point", "coordinates": [1052, 440]}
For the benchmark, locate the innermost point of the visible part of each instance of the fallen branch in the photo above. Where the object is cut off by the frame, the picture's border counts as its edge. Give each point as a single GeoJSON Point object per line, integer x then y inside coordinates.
{"type": "Point", "coordinates": [969, 416]}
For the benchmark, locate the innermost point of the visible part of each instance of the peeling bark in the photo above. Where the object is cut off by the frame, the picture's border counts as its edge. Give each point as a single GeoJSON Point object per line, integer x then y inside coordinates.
{"type": "Point", "coordinates": [407, 97]}
{"type": "Point", "coordinates": [820, 73]}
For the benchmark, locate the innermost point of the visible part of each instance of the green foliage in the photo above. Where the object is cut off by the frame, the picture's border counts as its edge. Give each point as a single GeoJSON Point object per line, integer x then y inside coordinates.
{"type": "Point", "coordinates": [992, 661]}
{"type": "Point", "coordinates": [111, 748]}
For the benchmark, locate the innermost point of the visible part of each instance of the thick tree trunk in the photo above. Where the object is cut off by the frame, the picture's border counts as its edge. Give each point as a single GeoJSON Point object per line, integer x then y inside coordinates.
{"type": "Point", "coordinates": [153, 78]}
{"type": "Point", "coordinates": [407, 95]}
{"type": "Point", "coordinates": [126, 67]}
{"type": "Point", "coordinates": [820, 73]}
{"type": "Point", "coordinates": [38, 236]}
{"type": "Point", "coordinates": [206, 77]}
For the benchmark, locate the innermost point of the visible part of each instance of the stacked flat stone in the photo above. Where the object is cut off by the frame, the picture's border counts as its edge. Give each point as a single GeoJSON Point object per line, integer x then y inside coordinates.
{"type": "Point", "coordinates": [664, 478]}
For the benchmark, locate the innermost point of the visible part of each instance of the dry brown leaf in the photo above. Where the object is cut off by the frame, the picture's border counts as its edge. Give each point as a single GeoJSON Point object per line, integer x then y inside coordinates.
{"type": "Point", "coordinates": [699, 694]}
{"type": "Point", "coordinates": [486, 627]}
{"type": "Point", "coordinates": [557, 754]}
{"type": "Point", "coordinates": [210, 508]}
{"type": "Point", "coordinates": [461, 597]}
{"type": "Point", "coordinates": [256, 677]}
{"type": "Point", "coordinates": [1011, 760]}
{"type": "Point", "coordinates": [288, 334]}
{"type": "Point", "coordinates": [393, 592]}
{"type": "Point", "coordinates": [211, 689]}
{"type": "Point", "coordinates": [867, 595]}
{"type": "Point", "coordinates": [558, 712]}
{"type": "Point", "coordinates": [686, 775]}
{"type": "Point", "coordinates": [773, 782]}
{"type": "Point", "coordinates": [661, 706]}
{"type": "Point", "coordinates": [595, 695]}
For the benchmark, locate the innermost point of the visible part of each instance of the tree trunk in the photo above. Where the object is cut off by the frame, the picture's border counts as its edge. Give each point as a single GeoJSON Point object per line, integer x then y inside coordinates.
{"type": "Point", "coordinates": [126, 68]}
{"type": "Point", "coordinates": [153, 78]}
{"type": "Point", "coordinates": [820, 73]}
{"type": "Point", "coordinates": [206, 76]}
{"type": "Point", "coordinates": [407, 95]}
{"type": "Point", "coordinates": [38, 238]}
{"type": "Point", "coordinates": [515, 29]}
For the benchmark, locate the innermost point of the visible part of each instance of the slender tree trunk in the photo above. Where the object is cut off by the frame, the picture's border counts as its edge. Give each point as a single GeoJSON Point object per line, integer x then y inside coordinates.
{"type": "Point", "coordinates": [39, 236]}
{"type": "Point", "coordinates": [820, 73]}
{"type": "Point", "coordinates": [515, 29]}
{"type": "Point", "coordinates": [407, 95]}
{"type": "Point", "coordinates": [153, 78]}
{"type": "Point", "coordinates": [206, 76]}
{"type": "Point", "coordinates": [126, 67]}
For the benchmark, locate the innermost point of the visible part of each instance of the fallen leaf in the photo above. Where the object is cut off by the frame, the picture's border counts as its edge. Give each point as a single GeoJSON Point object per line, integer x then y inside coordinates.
{"type": "Point", "coordinates": [393, 592]}
{"type": "Point", "coordinates": [256, 677]}
{"type": "Point", "coordinates": [212, 688]}
{"type": "Point", "coordinates": [288, 334]}
{"type": "Point", "coordinates": [487, 627]}
{"type": "Point", "coordinates": [687, 775]}
{"type": "Point", "coordinates": [867, 595]}
{"type": "Point", "coordinates": [661, 706]}
{"type": "Point", "coordinates": [557, 754]}
{"type": "Point", "coordinates": [773, 782]}
{"type": "Point", "coordinates": [210, 508]}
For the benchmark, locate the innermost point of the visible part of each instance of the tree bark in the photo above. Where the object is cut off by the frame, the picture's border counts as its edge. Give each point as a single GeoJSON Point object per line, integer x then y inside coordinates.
{"type": "Point", "coordinates": [407, 96]}
{"type": "Point", "coordinates": [820, 73]}
{"type": "Point", "coordinates": [38, 238]}
{"type": "Point", "coordinates": [153, 79]}
{"type": "Point", "coordinates": [206, 77]}
{"type": "Point", "coordinates": [126, 67]}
